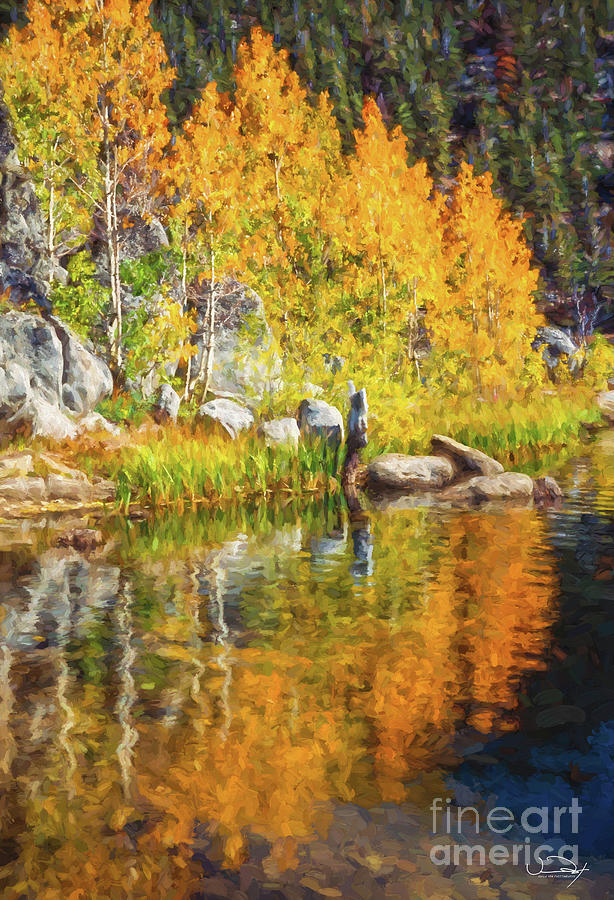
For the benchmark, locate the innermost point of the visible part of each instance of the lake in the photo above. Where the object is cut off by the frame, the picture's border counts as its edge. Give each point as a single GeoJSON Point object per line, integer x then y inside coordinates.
{"type": "Point", "coordinates": [275, 702]}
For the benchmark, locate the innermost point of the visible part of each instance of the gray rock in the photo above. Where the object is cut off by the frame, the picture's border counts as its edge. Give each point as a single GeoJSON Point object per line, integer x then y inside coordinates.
{"type": "Point", "coordinates": [86, 379]}
{"type": "Point", "coordinates": [465, 459]}
{"type": "Point", "coordinates": [167, 404]}
{"type": "Point", "coordinates": [397, 472]}
{"type": "Point", "coordinates": [244, 362]}
{"type": "Point", "coordinates": [605, 402]}
{"type": "Point", "coordinates": [46, 375]}
{"type": "Point", "coordinates": [481, 488]}
{"type": "Point", "coordinates": [319, 420]}
{"type": "Point", "coordinates": [93, 421]}
{"type": "Point", "coordinates": [77, 490]}
{"type": "Point", "coordinates": [148, 385]}
{"type": "Point", "coordinates": [24, 264]}
{"type": "Point", "coordinates": [233, 417]}
{"type": "Point", "coordinates": [60, 274]}
{"type": "Point", "coordinates": [22, 489]}
{"type": "Point", "coordinates": [32, 344]}
{"type": "Point", "coordinates": [558, 341]}
{"type": "Point", "coordinates": [141, 236]}
{"type": "Point", "coordinates": [546, 490]}
{"type": "Point", "coordinates": [40, 417]}
{"type": "Point", "coordinates": [280, 431]}
{"type": "Point", "coordinates": [358, 421]}
{"type": "Point", "coordinates": [14, 387]}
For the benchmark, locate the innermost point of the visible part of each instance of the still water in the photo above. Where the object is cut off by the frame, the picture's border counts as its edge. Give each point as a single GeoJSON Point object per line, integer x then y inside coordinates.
{"type": "Point", "coordinates": [265, 703]}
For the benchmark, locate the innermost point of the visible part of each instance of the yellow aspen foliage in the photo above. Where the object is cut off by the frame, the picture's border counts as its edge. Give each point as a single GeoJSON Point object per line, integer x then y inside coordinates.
{"type": "Point", "coordinates": [354, 253]}
{"type": "Point", "coordinates": [487, 319]}
{"type": "Point", "coordinates": [392, 226]}
{"type": "Point", "coordinates": [94, 100]}
{"type": "Point", "coordinates": [202, 178]}
{"type": "Point", "coordinates": [292, 154]}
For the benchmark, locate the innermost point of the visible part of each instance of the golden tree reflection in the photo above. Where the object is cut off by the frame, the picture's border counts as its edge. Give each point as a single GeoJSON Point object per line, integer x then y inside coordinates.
{"type": "Point", "coordinates": [186, 716]}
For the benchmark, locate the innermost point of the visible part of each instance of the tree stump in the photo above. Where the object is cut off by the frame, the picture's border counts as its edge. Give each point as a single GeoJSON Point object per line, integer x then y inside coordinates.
{"type": "Point", "coordinates": [355, 441]}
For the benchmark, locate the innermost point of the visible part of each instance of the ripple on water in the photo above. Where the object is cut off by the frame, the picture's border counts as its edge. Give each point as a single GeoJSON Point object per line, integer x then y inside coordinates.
{"type": "Point", "coordinates": [235, 687]}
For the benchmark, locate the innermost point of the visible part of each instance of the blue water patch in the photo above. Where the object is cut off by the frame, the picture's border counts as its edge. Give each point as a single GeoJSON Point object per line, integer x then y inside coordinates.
{"type": "Point", "coordinates": [549, 784]}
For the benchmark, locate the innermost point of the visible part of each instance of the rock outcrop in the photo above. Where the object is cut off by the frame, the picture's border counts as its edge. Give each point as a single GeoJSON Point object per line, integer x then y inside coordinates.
{"type": "Point", "coordinates": [605, 402]}
{"type": "Point", "coordinates": [26, 482]}
{"type": "Point", "coordinates": [86, 379]}
{"type": "Point", "coordinates": [546, 491]}
{"type": "Point", "coordinates": [482, 488]}
{"type": "Point", "coordinates": [24, 265]}
{"type": "Point", "coordinates": [167, 405]}
{"type": "Point", "coordinates": [47, 377]}
{"type": "Point", "coordinates": [457, 474]}
{"type": "Point", "coordinates": [557, 344]}
{"type": "Point", "coordinates": [245, 365]}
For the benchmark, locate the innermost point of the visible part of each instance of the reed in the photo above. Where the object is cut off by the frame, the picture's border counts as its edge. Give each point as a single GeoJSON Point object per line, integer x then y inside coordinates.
{"type": "Point", "coordinates": [510, 431]}
{"type": "Point", "coordinates": [187, 465]}
{"type": "Point", "coordinates": [210, 469]}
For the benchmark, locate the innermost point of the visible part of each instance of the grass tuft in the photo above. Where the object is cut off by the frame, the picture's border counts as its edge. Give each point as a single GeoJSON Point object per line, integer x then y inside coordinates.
{"type": "Point", "coordinates": [212, 469]}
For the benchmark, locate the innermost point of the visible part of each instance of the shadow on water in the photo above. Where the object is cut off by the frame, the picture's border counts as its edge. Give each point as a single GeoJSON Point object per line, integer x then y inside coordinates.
{"type": "Point", "coordinates": [265, 701]}
{"type": "Point", "coordinates": [564, 747]}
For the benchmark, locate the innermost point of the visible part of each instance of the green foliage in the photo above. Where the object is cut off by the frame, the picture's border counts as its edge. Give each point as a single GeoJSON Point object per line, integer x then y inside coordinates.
{"type": "Point", "coordinates": [599, 366]}
{"type": "Point", "coordinates": [83, 301]}
{"type": "Point", "coordinates": [145, 274]}
{"type": "Point", "coordinates": [156, 331]}
{"type": "Point", "coordinates": [125, 409]}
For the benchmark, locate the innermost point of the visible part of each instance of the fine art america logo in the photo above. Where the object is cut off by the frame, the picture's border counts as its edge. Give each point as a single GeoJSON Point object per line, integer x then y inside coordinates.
{"type": "Point", "coordinates": [543, 861]}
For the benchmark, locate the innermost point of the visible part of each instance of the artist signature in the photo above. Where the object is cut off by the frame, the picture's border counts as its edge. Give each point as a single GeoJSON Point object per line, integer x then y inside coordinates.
{"type": "Point", "coordinates": [569, 868]}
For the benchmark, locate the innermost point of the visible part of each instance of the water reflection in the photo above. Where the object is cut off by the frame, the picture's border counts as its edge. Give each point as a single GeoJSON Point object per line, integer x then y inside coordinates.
{"type": "Point", "coordinates": [565, 745]}
{"type": "Point", "coordinates": [211, 679]}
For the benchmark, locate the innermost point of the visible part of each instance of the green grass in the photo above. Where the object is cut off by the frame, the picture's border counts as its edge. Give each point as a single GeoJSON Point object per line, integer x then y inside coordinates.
{"type": "Point", "coordinates": [124, 409]}
{"type": "Point", "coordinates": [186, 466]}
{"type": "Point", "coordinates": [172, 470]}
{"type": "Point", "coordinates": [511, 431]}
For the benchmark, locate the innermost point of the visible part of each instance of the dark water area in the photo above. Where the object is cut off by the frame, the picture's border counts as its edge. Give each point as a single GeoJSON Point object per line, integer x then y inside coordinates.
{"type": "Point", "coordinates": [275, 702]}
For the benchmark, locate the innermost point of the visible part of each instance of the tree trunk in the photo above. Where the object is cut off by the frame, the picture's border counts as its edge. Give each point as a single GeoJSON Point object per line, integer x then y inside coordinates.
{"type": "Point", "coordinates": [110, 206]}
{"type": "Point", "coordinates": [476, 362]}
{"type": "Point", "coordinates": [210, 327]}
{"type": "Point", "coordinates": [110, 216]}
{"type": "Point", "coordinates": [412, 329]}
{"type": "Point", "coordinates": [117, 292]}
{"type": "Point", "coordinates": [184, 301]}
{"type": "Point", "coordinates": [205, 368]}
{"type": "Point", "coordinates": [51, 229]}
